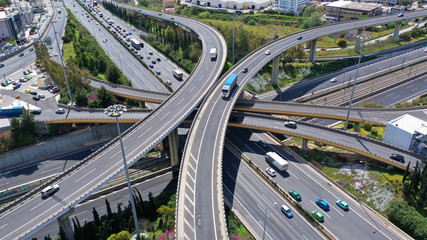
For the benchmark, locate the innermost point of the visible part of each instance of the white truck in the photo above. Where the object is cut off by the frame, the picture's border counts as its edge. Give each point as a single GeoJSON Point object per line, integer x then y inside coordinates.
{"type": "Point", "coordinates": [213, 54]}
{"type": "Point", "coordinates": [177, 74]}
{"type": "Point", "coordinates": [277, 161]}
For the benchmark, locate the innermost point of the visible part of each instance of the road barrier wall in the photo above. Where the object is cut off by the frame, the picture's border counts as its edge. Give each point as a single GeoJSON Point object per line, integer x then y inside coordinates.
{"type": "Point", "coordinates": [59, 145]}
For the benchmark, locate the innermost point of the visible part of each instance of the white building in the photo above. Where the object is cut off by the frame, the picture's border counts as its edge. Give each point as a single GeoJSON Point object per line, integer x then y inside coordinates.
{"type": "Point", "coordinates": [234, 4]}
{"type": "Point", "coordinates": [294, 6]}
{"type": "Point", "coordinates": [407, 132]}
{"type": "Point", "coordinates": [14, 21]}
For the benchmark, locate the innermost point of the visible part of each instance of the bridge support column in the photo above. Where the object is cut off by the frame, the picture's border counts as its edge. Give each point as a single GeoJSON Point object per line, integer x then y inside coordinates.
{"type": "Point", "coordinates": [141, 104]}
{"type": "Point", "coordinates": [358, 40]}
{"type": "Point", "coordinates": [396, 31]}
{"type": "Point", "coordinates": [275, 73]}
{"type": "Point", "coordinates": [304, 144]}
{"type": "Point", "coordinates": [65, 224]}
{"type": "Point", "coordinates": [313, 45]}
{"type": "Point", "coordinates": [173, 147]}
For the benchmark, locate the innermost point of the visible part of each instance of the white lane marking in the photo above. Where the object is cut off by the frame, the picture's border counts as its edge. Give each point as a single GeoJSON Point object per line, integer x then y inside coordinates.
{"type": "Point", "coordinates": [164, 115]}
{"type": "Point", "coordinates": [388, 95]}
{"type": "Point", "coordinates": [235, 198]}
{"type": "Point", "coordinates": [336, 210]}
{"type": "Point", "coordinates": [280, 197]}
{"type": "Point", "coordinates": [186, 209]}
{"type": "Point", "coordinates": [85, 175]}
{"type": "Point", "coordinates": [3, 226]}
{"type": "Point", "coordinates": [186, 237]}
{"type": "Point", "coordinates": [36, 206]}
{"type": "Point", "coordinates": [304, 236]}
{"type": "Point", "coordinates": [143, 134]}
{"type": "Point", "coordinates": [115, 154]}
{"type": "Point", "coordinates": [267, 199]}
{"type": "Point", "coordinates": [231, 176]}
{"type": "Point", "coordinates": [186, 222]}
{"type": "Point", "coordinates": [53, 169]}
{"type": "Point", "coordinates": [188, 185]}
{"type": "Point", "coordinates": [252, 151]}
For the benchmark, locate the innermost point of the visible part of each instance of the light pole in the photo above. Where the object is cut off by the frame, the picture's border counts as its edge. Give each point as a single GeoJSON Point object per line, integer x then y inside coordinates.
{"type": "Point", "coordinates": [363, 178]}
{"type": "Point", "coordinates": [62, 62]}
{"type": "Point", "coordinates": [232, 61]}
{"type": "Point", "coordinates": [362, 36]}
{"type": "Point", "coordinates": [265, 219]}
{"type": "Point", "coordinates": [116, 111]}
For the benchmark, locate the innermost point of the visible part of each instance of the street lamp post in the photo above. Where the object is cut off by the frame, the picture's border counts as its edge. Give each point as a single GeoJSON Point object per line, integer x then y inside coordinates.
{"type": "Point", "coordinates": [265, 220]}
{"type": "Point", "coordinates": [62, 62]}
{"type": "Point", "coordinates": [116, 111]}
{"type": "Point", "coordinates": [362, 36]}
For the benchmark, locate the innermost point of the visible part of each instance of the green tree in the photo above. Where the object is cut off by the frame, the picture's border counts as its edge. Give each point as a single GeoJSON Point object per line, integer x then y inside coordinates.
{"type": "Point", "coordinates": [80, 96]}
{"type": "Point", "coordinates": [342, 43]}
{"type": "Point", "coordinates": [113, 74]}
{"type": "Point", "coordinates": [96, 217]}
{"type": "Point", "coordinates": [23, 130]}
{"type": "Point", "coordinates": [314, 20]}
{"type": "Point", "coordinates": [94, 103]}
{"type": "Point", "coordinates": [166, 212]}
{"type": "Point", "coordinates": [406, 37]}
{"type": "Point", "coordinates": [104, 96]}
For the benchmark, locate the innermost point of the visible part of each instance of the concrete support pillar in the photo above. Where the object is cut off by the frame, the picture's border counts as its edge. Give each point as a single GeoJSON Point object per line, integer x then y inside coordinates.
{"type": "Point", "coordinates": [275, 73]}
{"type": "Point", "coordinates": [313, 45]}
{"type": "Point", "coordinates": [141, 104]}
{"type": "Point", "coordinates": [173, 147]}
{"type": "Point", "coordinates": [304, 144]}
{"type": "Point", "coordinates": [358, 40]}
{"type": "Point", "coordinates": [396, 31]}
{"type": "Point", "coordinates": [65, 224]}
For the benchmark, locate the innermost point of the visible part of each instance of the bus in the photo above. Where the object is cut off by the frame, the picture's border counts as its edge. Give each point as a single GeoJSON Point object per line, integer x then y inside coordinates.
{"type": "Point", "coordinates": [95, 3]}
{"type": "Point", "coordinates": [11, 111]}
{"type": "Point", "coordinates": [229, 85]}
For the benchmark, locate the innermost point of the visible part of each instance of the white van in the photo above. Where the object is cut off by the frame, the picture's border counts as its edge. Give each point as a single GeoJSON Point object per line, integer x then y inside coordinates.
{"type": "Point", "coordinates": [46, 192]}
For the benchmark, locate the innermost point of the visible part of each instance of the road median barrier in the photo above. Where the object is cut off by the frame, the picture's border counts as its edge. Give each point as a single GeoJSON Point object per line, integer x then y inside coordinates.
{"type": "Point", "coordinates": [306, 214]}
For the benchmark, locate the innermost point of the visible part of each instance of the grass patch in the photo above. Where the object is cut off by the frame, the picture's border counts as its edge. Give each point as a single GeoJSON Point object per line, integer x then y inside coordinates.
{"type": "Point", "coordinates": [236, 229]}
{"type": "Point", "coordinates": [377, 187]}
{"type": "Point", "coordinates": [69, 51]}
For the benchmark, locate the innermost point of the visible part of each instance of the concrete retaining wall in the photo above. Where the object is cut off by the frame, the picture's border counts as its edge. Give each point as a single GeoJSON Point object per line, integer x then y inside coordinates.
{"type": "Point", "coordinates": [60, 144]}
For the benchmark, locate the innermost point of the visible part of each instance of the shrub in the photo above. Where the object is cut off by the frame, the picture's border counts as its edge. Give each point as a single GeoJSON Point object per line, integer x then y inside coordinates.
{"type": "Point", "coordinates": [356, 128]}
{"type": "Point", "coordinates": [406, 37]}
{"type": "Point", "coordinates": [350, 125]}
{"type": "Point", "coordinates": [342, 43]}
{"type": "Point", "coordinates": [374, 132]}
{"type": "Point", "coordinates": [252, 22]}
{"type": "Point", "coordinates": [367, 127]}
{"type": "Point", "coordinates": [390, 168]}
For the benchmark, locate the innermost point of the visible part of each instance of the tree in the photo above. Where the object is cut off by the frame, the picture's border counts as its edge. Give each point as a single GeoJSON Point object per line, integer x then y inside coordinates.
{"type": "Point", "coordinates": [94, 103]}
{"type": "Point", "coordinates": [314, 20]}
{"type": "Point", "coordinates": [405, 175]}
{"type": "Point", "coordinates": [104, 96]}
{"type": "Point", "coordinates": [24, 129]}
{"type": "Point", "coordinates": [96, 217]}
{"type": "Point", "coordinates": [166, 212]}
{"type": "Point", "coordinates": [80, 96]}
{"type": "Point", "coordinates": [342, 43]}
{"type": "Point", "coordinates": [113, 74]}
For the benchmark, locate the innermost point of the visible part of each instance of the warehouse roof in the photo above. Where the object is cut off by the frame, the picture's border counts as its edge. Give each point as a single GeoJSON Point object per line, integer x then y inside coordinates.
{"type": "Point", "coordinates": [410, 124]}
{"type": "Point", "coordinates": [354, 5]}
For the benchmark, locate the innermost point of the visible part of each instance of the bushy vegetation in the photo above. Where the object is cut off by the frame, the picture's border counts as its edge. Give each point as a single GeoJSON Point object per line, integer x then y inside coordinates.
{"type": "Point", "coordinates": [422, 100]}
{"type": "Point", "coordinates": [88, 54]}
{"type": "Point", "coordinates": [178, 43]}
{"type": "Point", "coordinates": [5, 3]}
{"type": "Point", "coordinates": [407, 219]}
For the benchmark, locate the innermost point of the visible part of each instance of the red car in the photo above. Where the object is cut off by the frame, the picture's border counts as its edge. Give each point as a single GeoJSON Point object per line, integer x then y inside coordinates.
{"type": "Point", "coordinates": [56, 90]}
{"type": "Point", "coordinates": [31, 33]}
{"type": "Point", "coordinates": [15, 83]}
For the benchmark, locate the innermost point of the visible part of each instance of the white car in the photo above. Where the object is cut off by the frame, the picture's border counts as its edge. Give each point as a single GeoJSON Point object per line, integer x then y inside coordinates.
{"type": "Point", "coordinates": [46, 192]}
{"type": "Point", "coordinates": [425, 50]}
{"type": "Point", "coordinates": [271, 172]}
{"type": "Point", "coordinates": [60, 111]}
{"type": "Point", "coordinates": [267, 52]}
{"type": "Point", "coordinates": [333, 80]}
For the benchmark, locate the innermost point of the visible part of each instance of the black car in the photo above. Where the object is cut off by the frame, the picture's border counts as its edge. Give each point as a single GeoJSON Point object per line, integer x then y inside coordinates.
{"type": "Point", "coordinates": [36, 98]}
{"type": "Point", "coordinates": [1, 65]}
{"type": "Point", "coordinates": [153, 61]}
{"type": "Point", "coordinates": [244, 70]}
{"type": "Point", "coordinates": [33, 93]}
{"type": "Point", "coordinates": [21, 54]}
{"type": "Point", "coordinates": [36, 112]}
{"type": "Point", "coordinates": [397, 157]}
{"type": "Point", "coordinates": [291, 124]}
{"type": "Point", "coordinates": [151, 66]}
{"type": "Point", "coordinates": [299, 38]}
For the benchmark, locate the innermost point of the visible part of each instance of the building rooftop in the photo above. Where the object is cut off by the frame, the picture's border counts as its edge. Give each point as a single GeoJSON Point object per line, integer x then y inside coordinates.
{"type": "Point", "coordinates": [410, 124]}
{"type": "Point", "coordinates": [354, 5]}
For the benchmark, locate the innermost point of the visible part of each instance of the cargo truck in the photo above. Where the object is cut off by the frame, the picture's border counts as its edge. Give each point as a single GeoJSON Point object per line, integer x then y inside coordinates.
{"type": "Point", "coordinates": [177, 74]}
{"type": "Point", "coordinates": [213, 54]}
{"type": "Point", "coordinates": [136, 44]}
{"type": "Point", "coordinates": [277, 161]}
{"type": "Point", "coordinates": [227, 89]}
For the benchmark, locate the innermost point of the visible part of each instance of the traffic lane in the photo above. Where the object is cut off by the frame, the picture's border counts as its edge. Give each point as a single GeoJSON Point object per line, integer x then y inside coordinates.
{"type": "Point", "coordinates": [353, 141]}
{"type": "Point", "coordinates": [311, 186]}
{"type": "Point", "coordinates": [248, 192]}
{"type": "Point", "coordinates": [163, 183]}
{"type": "Point", "coordinates": [121, 57]}
{"type": "Point", "coordinates": [16, 63]}
{"type": "Point", "coordinates": [402, 93]}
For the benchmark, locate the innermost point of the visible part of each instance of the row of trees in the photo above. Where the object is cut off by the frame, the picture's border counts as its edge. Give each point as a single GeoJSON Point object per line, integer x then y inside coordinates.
{"type": "Point", "coordinates": [117, 225]}
{"type": "Point", "coordinates": [415, 187]}
{"type": "Point", "coordinates": [5, 3]}
{"type": "Point", "coordinates": [166, 36]}
{"type": "Point", "coordinates": [88, 53]}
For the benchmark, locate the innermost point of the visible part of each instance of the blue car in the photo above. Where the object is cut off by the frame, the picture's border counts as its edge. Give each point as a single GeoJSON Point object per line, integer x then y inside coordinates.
{"type": "Point", "coordinates": [287, 211]}
{"type": "Point", "coordinates": [322, 204]}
